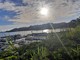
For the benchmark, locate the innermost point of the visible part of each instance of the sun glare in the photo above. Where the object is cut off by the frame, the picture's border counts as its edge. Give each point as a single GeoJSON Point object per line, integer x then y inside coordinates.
{"type": "Point", "coordinates": [44, 11]}
{"type": "Point", "coordinates": [46, 31]}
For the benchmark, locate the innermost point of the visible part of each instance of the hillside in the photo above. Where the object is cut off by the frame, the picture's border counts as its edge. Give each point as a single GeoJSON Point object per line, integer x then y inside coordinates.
{"type": "Point", "coordinates": [41, 27]}
{"type": "Point", "coordinates": [71, 24]}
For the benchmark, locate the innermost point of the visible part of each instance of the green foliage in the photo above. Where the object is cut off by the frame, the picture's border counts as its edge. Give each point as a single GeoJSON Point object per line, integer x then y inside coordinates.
{"type": "Point", "coordinates": [74, 35]}
{"type": "Point", "coordinates": [40, 54]}
{"type": "Point", "coordinates": [52, 42]}
{"type": "Point", "coordinates": [51, 49]}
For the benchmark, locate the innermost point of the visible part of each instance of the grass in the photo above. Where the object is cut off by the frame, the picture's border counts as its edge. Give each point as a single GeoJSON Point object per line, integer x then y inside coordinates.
{"type": "Point", "coordinates": [51, 49]}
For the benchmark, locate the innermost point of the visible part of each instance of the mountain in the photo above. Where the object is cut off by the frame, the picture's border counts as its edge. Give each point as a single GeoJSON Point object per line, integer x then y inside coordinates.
{"type": "Point", "coordinates": [71, 24]}
{"type": "Point", "coordinates": [41, 27]}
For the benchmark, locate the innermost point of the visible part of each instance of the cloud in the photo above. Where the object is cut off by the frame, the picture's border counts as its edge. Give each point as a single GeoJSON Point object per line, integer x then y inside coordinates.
{"type": "Point", "coordinates": [30, 13]}
{"type": "Point", "coordinates": [7, 6]}
{"type": "Point", "coordinates": [9, 27]}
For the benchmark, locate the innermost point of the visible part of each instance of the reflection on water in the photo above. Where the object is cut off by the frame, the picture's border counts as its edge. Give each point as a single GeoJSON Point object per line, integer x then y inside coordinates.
{"type": "Point", "coordinates": [28, 32]}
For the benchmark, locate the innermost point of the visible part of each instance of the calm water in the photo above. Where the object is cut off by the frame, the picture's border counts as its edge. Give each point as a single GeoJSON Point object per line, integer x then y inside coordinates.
{"type": "Point", "coordinates": [27, 32]}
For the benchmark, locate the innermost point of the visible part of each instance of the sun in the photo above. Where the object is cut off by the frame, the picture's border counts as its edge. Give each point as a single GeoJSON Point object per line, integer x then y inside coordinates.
{"type": "Point", "coordinates": [44, 11]}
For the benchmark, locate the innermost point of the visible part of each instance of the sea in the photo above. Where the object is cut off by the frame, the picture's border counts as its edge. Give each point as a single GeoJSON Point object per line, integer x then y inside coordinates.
{"type": "Point", "coordinates": [23, 33]}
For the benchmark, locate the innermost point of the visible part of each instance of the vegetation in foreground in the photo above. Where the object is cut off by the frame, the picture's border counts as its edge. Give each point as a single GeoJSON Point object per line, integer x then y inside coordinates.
{"type": "Point", "coordinates": [64, 46]}
{"type": "Point", "coordinates": [51, 49]}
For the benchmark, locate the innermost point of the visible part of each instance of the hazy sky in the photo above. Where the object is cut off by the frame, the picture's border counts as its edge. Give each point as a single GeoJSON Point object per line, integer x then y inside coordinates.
{"type": "Point", "coordinates": [20, 13]}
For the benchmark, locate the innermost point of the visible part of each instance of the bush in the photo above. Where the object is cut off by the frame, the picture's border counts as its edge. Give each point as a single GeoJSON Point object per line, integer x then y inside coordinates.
{"type": "Point", "coordinates": [51, 49]}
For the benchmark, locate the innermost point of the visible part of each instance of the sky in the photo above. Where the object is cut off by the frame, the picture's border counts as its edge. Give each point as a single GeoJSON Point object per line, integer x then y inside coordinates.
{"type": "Point", "coordinates": [22, 13]}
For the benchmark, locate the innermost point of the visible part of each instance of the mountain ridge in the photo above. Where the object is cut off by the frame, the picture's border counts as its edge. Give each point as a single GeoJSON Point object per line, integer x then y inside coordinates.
{"type": "Point", "coordinates": [41, 27]}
